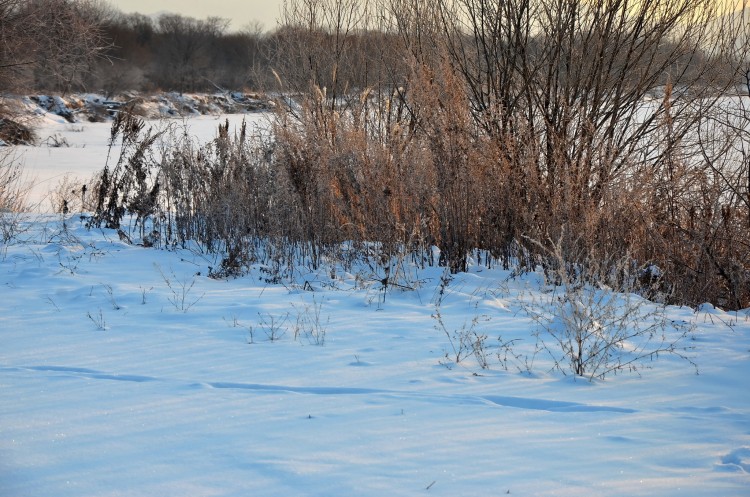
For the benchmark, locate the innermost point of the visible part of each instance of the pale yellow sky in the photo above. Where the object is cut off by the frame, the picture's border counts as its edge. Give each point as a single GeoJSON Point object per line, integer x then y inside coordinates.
{"type": "Point", "coordinates": [239, 12]}
{"type": "Point", "coordinates": [242, 12]}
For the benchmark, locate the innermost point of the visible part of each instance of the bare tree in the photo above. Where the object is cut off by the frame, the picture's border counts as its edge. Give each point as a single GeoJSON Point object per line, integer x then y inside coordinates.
{"type": "Point", "coordinates": [240, 59]}
{"type": "Point", "coordinates": [183, 56]}
{"type": "Point", "coordinates": [50, 43]}
{"type": "Point", "coordinates": [13, 42]}
{"type": "Point", "coordinates": [317, 46]}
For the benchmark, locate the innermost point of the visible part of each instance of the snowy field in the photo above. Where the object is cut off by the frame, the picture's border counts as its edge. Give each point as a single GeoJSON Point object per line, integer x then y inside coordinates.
{"type": "Point", "coordinates": [125, 371]}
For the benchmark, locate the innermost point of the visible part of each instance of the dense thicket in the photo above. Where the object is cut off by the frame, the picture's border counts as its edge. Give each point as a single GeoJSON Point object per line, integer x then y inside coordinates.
{"type": "Point", "coordinates": [607, 129]}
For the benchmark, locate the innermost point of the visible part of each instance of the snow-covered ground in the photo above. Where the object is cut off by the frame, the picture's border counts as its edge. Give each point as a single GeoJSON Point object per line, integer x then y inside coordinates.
{"type": "Point", "coordinates": [125, 371]}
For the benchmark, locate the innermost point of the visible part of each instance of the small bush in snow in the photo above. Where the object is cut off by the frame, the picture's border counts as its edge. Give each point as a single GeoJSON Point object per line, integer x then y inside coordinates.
{"type": "Point", "coordinates": [98, 320]}
{"type": "Point", "coordinates": [273, 326]}
{"type": "Point", "coordinates": [181, 290]}
{"type": "Point", "coordinates": [590, 330]}
{"type": "Point", "coordinates": [465, 342]}
{"type": "Point", "coordinates": [310, 324]}
{"type": "Point", "coordinates": [13, 190]}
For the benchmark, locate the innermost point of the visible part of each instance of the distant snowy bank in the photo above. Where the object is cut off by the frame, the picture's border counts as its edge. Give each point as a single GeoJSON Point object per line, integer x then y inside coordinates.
{"type": "Point", "coordinates": [95, 107]}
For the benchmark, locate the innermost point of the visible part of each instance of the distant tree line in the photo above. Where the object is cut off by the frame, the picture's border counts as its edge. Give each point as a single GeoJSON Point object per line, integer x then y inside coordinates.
{"type": "Point", "coordinates": [89, 45]}
{"type": "Point", "coordinates": [177, 53]}
{"type": "Point", "coordinates": [63, 46]}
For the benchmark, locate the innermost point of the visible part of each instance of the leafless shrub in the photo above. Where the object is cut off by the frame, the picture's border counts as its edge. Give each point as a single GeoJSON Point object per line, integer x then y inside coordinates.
{"type": "Point", "coordinates": [273, 326]}
{"type": "Point", "coordinates": [13, 132]}
{"type": "Point", "coordinates": [13, 196]}
{"type": "Point", "coordinates": [249, 328]}
{"type": "Point", "coordinates": [310, 324]}
{"type": "Point", "coordinates": [111, 294]}
{"type": "Point", "coordinates": [588, 329]}
{"type": "Point", "coordinates": [469, 340]}
{"type": "Point", "coordinates": [180, 289]}
{"type": "Point", "coordinates": [464, 342]}
{"type": "Point", "coordinates": [56, 141]}
{"type": "Point", "coordinates": [130, 186]}
{"type": "Point", "coordinates": [69, 196]}
{"type": "Point", "coordinates": [472, 339]}
{"type": "Point", "coordinates": [144, 292]}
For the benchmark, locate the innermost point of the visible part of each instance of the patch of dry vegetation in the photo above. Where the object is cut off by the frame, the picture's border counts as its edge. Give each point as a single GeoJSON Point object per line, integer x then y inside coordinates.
{"type": "Point", "coordinates": [606, 129]}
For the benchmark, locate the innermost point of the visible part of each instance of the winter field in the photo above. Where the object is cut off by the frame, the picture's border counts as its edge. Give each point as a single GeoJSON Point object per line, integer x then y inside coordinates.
{"type": "Point", "coordinates": [126, 371]}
